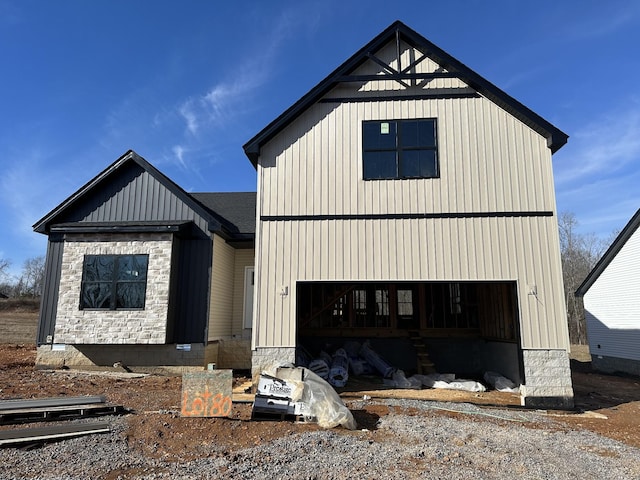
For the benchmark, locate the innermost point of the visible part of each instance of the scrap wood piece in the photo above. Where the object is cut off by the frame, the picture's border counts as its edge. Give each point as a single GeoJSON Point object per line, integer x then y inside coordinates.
{"type": "Point", "coordinates": [41, 434]}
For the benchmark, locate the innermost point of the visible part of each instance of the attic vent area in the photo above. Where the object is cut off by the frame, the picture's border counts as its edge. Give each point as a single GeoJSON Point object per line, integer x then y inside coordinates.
{"type": "Point", "coordinates": [467, 327]}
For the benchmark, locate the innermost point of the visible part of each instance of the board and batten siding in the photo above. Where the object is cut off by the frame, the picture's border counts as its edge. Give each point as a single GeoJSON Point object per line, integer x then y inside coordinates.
{"type": "Point", "coordinates": [411, 250]}
{"type": "Point", "coordinates": [489, 162]}
{"type": "Point", "coordinates": [612, 305]}
{"type": "Point", "coordinates": [140, 197]}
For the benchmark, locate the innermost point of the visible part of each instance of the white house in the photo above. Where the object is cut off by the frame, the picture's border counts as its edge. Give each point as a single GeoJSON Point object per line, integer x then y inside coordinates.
{"type": "Point", "coordinates": [611, 294]}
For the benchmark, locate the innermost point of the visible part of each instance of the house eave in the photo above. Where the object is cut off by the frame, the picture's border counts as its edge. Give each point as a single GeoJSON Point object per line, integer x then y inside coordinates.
{"type": "Point", "coordinates": [120, 227]}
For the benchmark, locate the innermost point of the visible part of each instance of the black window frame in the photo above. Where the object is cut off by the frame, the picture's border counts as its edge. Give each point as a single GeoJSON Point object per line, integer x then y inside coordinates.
{"type": "Point", "coordinates": [399, 149]}
{"type": "Point", "coordinates": [112, 286]}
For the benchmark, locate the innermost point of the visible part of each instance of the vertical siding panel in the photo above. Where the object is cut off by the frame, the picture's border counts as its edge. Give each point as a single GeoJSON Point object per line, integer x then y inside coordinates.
{"type": "Point", "coordinates": [488, 162]}
{"type": "Point", "coordinates": [221, 310]}
{"type": "Point", "coordinates": [268, 286]}
{"type": "Point", "coordinates": [337, 238]}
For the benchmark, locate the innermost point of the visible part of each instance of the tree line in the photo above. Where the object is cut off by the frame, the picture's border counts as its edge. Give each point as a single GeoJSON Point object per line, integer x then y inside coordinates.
{"type": "Point", "coordinates": [28, 283]}
{"type": "Point", "coordinates": [579, 253]}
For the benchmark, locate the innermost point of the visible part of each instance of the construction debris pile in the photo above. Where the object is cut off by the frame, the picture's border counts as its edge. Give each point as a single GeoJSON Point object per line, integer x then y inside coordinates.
{"type": "Point", "coordinates": [297, 391]}
{"type": "Point", "coordinates": [361, 359]}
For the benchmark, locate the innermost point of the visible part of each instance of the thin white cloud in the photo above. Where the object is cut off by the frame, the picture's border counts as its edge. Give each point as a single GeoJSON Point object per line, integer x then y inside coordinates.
{"type": "Point", "coordinates": [596, 173]}
{"type": "Point", "coordinates": [603, 147]}
{"type": "Point", "coordinates": [179, 151]}
{"type": "Point", "coordinates": [190, 116]}
{"type": "Point", "coordinates": [230, 98]}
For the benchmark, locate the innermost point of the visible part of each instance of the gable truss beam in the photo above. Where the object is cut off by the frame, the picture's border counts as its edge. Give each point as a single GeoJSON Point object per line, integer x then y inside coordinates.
{"type": "Point", "coordinates": [387, 68]}
{"type": "Point", "coordinates": [397, 76]}
{"type": "Point", "coordinates": [414, 64]}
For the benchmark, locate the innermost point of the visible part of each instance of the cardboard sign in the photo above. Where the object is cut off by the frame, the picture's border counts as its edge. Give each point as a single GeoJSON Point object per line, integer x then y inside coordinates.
{"type": "Point", "coordinates": [207, 394]}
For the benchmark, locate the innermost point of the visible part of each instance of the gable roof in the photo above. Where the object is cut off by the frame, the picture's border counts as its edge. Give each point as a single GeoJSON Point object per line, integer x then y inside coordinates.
{"type": "Point", "coordinates": [610, 254]}
{"type": "Point", "coordinates": [398, 30]}
{"type": "Point", "coordinates": [43, 225]}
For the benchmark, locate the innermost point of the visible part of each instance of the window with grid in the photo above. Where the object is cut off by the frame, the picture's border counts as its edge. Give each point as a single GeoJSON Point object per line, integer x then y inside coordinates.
{"type": "Point", "coordinates": [114, 282]}
{"type": "Point", "coordinates": [395, 149]}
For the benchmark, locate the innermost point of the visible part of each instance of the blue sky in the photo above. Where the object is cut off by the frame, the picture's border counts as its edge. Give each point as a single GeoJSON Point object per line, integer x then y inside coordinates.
{"type": "Point", "coordinates": [186, 84]}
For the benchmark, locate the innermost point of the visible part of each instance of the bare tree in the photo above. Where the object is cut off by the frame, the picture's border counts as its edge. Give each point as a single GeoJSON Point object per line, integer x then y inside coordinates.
{"type": "Point", "coordinates": [579, 254]}
{"type": "Point", "coordinates": [4, 266]}
{"type": "Point", "coordinates": [32, 278]}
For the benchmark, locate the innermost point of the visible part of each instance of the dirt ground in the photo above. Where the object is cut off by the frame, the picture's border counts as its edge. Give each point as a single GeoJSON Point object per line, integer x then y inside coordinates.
{"type": "Point", "coordinates": [606, 404]}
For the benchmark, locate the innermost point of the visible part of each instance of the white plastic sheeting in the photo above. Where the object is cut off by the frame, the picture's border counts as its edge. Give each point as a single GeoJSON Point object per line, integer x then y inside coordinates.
{"type": "Point", "coordinates": [501, 383]}
{"type": "Point", "coordinates": [317, 400]}
{"type": "Point", "coordinates": [448, 381]}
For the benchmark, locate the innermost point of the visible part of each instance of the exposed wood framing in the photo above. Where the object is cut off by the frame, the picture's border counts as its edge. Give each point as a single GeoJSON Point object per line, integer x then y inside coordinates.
{"type": "Point", "coordinates": [433, 309]}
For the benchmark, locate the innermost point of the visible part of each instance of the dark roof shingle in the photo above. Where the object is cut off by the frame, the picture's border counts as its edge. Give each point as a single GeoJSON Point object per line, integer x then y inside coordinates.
{"type": "Point", "coordinates": [237, 210]}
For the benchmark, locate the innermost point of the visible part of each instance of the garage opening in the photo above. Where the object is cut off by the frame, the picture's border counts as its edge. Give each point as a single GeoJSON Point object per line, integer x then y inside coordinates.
{"type": "Point", "coordinates": [466, 328]}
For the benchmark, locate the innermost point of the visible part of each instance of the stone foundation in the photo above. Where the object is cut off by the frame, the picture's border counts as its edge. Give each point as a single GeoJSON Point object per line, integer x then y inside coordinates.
{"type": "Point", "coordinates": [267, 358]}
{"type": "Point", "coordinates": [548, 379]}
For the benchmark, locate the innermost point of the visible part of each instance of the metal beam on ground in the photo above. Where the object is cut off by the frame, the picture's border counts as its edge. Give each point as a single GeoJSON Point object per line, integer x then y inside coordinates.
{"type": "Point", "coordinates": [57, 432]}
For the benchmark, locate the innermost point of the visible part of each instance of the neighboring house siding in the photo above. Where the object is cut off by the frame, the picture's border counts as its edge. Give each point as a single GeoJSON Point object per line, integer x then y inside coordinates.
{"type": "Point", "coordinates": [244, 258]}
{"type": "Point", "coordinates": [221, 309]}
{"type": "Point", "coordinates": [612, 305]}
{"type": "Point", "coordinates": [148, 326]}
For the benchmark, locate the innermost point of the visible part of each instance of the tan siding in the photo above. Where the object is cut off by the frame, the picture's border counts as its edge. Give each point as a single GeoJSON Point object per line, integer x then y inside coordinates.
{"type": "Point", "coordinates": [503, 170]}
{"type": "Point", "coordinates": [243, 258]}
{"type": "Point", "coordinates": [221, 301]}
{"type": "Point", "coordinates": [489, 162]}
{"type": "Point", "coordinates": [448, 259]}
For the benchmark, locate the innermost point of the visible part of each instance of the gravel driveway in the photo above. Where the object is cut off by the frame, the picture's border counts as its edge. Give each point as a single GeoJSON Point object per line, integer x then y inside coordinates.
{"type": "Point", "coordinates": [418, 439]}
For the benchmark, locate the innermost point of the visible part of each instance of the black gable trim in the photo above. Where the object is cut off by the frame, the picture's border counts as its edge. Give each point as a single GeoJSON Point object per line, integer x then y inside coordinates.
{"type": "Point", "coordinates": [57, 214]}
{"type": "Point", "coordinates": [555, 137]}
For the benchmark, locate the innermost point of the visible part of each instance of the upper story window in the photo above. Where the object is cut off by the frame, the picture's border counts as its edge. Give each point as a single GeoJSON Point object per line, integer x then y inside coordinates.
{"type": "Point", "coordinates": [114, 282]}
{"type": "Point", "coordinates": [399, 149]}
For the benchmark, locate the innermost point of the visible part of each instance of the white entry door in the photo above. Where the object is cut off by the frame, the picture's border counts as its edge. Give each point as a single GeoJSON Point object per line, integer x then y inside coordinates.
{"type": "Point", "coordinates": [249, 278]}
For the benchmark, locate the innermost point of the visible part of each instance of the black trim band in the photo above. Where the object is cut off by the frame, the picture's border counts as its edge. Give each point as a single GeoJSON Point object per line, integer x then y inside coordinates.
{"type": "Point", "coordinates": [394, 98]}
{"type": "Point", "coordinates": [402, 216]}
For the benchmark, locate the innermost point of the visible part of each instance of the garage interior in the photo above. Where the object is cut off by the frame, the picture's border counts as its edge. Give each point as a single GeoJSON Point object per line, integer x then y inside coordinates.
{"type": "Point", "coordinates": [466, 328]}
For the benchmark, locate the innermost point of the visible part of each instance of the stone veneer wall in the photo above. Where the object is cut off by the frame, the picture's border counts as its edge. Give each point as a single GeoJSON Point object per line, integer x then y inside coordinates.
{"type": "Point", "coordinates": [548, 379]}
{"type": "Point", "coordinates": [265, 358]}
{"type": "Point", "coordinates": [148, 326]}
